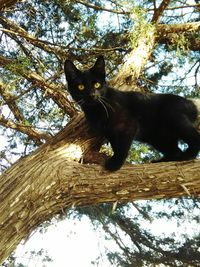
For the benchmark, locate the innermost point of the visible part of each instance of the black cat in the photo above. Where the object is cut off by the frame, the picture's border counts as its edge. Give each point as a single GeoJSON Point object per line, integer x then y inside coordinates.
{"type": "Point", "coordinates": [160, 120]}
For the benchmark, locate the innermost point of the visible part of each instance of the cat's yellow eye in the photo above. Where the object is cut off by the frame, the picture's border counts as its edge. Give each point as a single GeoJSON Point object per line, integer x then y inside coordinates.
{"type": "Point", "coordinates": [81, 87]}
{"type": "Point", "coordinates": [97, 85]}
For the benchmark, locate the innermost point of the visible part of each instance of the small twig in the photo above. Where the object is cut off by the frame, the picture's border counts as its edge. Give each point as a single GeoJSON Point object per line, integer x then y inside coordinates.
{"type": "Point", "coordinates": [185, 189]}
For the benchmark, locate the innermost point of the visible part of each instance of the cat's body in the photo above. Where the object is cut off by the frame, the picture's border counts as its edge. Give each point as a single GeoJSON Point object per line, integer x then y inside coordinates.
{"type": "Point", "coordinates": [160, 120]}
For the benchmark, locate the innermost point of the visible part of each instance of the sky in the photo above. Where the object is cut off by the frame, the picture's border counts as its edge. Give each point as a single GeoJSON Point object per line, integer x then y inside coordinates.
{"type": "Point", "coordinates": [75, 243]}
{"type": "Point", "coordinates": [70, 242]}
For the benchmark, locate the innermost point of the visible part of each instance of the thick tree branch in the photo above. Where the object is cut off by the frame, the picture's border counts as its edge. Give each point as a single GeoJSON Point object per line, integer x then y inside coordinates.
{"type": "Point", "coordinates": [7, 3]}
{"type": "Point", "coordinates": [192, 43]}
{"type": "Point", "coordinates": [140, 54]}
{"type": "Point", "coordinates": [48, 181]}
{"type": "Point", "coordinates": [169, 34]}
{"type": "Point", "coordinates": [132, 68]}
{"type": "Point", "coordinates": [165, 29]}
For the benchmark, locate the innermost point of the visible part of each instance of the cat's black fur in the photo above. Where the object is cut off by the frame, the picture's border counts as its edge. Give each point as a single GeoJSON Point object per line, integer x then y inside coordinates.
{"type": "Point", "coordinates": [160, 120]}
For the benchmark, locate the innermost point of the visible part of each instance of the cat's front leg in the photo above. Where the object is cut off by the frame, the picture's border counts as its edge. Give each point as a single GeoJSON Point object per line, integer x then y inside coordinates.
{"type": "Point", "coordinates": [114, 163]}
{"type": "Point", "coordinates": [120, 145]}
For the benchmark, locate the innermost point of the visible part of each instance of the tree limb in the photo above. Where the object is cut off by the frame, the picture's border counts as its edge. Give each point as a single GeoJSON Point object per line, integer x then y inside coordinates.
{"type": "Point", "coordinates": [15, 30]}
{"type": "Point", "coordinates": [100, 8]}
{"type": "Point", "coordinates": [56, 92]}
{"type": "Point", "coordinates": [123, 12]}
{"type": "Point", "coordinates": [165, 29]}
{"type": "Point", "coordinates": [7, 3]}
{"type": "Point", "coordinates": [169, 34]}
{"type": "Point", "coordinates": [129, 73]}
{"type": "Point", "coordinates": [48, 181]}
{"type": "Point", "coordinates": [132, 68]}
{"type": "Point", "coordinates": [34, 135]}
{"type": "Point", "coordinates": [11, 104]}
{"type": "Point", "coordinates": [159, 11]}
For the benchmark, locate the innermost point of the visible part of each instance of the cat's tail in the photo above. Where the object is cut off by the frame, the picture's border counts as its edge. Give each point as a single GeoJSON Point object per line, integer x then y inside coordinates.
{"type": "Point", "coordinates": [196, 101]}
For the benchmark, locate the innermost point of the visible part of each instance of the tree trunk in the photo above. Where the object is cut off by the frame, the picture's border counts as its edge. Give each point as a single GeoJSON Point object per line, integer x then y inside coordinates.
{"type": "Point", "coordinates": [7, 3]}
{"type": "Point", "coordinates": [50, 180]}
{"type": "Point", "coordinates": [127, 77]}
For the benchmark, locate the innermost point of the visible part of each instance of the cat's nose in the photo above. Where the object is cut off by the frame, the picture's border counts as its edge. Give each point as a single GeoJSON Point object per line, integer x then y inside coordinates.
{"type": "Point", "coordinates": [96, 94]}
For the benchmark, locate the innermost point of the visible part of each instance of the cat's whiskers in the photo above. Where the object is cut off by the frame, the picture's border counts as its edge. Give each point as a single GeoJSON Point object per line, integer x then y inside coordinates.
{"type": "Point", "coordinates": [107, 103]}
{"type": "Point", "coordinates": [104, 106]}
{"type": "Point", "coordinates": [80, 102]}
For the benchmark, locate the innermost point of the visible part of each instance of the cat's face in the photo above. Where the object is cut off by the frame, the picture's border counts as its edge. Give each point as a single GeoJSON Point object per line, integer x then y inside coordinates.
{"type": "Point", "coordinates": [89, 85]}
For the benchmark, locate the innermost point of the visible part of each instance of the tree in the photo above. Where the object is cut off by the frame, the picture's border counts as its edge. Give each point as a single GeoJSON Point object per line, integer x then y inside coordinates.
{"type": "Point", "coordinates": [37, 111]}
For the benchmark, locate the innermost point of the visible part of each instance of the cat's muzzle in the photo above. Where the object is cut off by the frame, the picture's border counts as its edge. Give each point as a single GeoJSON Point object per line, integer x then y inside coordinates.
{"type": "Point", "coordinates": [96, 95]}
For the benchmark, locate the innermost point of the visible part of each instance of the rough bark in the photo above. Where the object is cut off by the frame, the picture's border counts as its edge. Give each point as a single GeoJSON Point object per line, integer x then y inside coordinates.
{"type": "Point", "coordinates": [170, 34]}
{"type": "Point", "coordinates": [143, 47]}
{"type": "Point", "coordinates": [7, 3]}
{"type": "Point", "coordinates": [164, 29]}
{"type": "Point", "coordinates": [51, 180]}
{"type": "Point", "coordinates": [132, 68]}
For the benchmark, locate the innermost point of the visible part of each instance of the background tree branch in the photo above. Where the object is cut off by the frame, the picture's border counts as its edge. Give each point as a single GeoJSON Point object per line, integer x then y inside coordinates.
{"type": "Point", "coordinates": [55, 91]}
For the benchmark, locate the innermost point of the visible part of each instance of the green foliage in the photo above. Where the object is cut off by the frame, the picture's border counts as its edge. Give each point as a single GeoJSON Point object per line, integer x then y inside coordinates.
{"type": "Point", "coordinates": [140, 153]}
{"type": "Point", "coordinates": [141, 26]}
{"type": "Point", "coordinates": [180, 44]}
{"type": "Point", "coordinates": [21, 64]}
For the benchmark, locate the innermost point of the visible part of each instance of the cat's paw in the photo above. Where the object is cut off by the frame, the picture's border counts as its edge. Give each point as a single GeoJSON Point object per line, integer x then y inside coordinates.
{"type": "Point", "coordinates": [112, 164]}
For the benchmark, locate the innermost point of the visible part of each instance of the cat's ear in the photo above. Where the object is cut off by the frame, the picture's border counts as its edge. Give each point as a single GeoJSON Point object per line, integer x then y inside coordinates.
{"type": "Point", "coordinates": [99, 66]}
{"type": "Point", "coordinates": [71, 72]}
